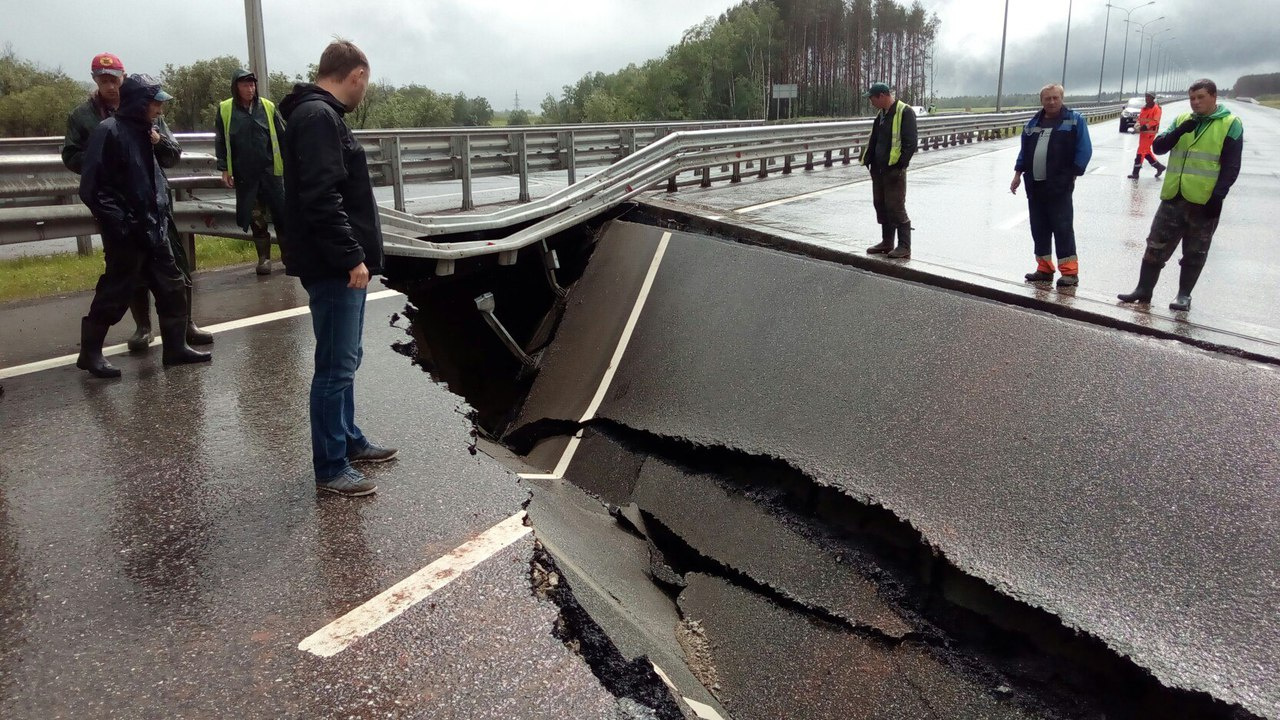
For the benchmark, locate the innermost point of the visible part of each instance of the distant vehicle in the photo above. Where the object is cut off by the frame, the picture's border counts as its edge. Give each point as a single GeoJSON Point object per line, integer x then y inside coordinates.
{"type": "Point", "coordinates": [1129, 116]}
{"type": "Point", "coordinates": [920, 110]}
{"type": "Point", "coordinates": [1247, 99]}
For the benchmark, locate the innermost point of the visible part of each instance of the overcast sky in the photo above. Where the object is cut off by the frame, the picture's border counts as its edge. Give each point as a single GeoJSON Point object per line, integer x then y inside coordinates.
{"type": "Point", "coordinates": [497, 48]}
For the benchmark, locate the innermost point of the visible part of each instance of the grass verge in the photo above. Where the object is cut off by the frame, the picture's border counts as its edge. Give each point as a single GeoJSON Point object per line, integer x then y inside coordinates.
{"type": "Point", "coordinates": [38, 276]}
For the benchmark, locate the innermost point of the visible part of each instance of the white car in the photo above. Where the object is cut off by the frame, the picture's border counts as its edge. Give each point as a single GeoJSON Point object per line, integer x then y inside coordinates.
{"type": "Point", "coordinates": [920, 110]}
{"type": "Point", "coordinates": [1129, 116]}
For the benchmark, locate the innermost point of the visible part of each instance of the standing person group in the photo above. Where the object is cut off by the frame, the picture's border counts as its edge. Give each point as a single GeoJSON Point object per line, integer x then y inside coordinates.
{"type": "Point", "coordinates": [1055, 151]}
{"type": "Point", "coordinates": [107, 72]}
{"type": "Point", "coordinates": [247, 138]}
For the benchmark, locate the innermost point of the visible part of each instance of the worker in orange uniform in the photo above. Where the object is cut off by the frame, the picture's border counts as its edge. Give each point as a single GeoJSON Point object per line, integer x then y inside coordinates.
{"type": "Point", "coordinates": [1148, 126]}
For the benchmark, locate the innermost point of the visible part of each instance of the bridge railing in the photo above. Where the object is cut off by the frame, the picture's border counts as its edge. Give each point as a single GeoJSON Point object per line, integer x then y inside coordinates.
{"type": "Point", "coordinates": [38, 195]}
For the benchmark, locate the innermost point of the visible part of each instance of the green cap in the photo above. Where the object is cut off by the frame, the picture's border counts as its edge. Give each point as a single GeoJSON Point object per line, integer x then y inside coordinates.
{"type": "Point", "coordinates": [878, 89]}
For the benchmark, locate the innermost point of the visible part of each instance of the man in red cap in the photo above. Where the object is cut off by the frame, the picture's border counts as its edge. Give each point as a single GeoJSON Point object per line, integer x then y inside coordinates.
{"type": "Point", "coordinates": [108, 74]}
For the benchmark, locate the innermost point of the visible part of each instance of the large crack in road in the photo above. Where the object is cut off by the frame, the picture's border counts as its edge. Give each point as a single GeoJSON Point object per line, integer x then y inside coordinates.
{"type": "Point", "coordinates": [699, 575]}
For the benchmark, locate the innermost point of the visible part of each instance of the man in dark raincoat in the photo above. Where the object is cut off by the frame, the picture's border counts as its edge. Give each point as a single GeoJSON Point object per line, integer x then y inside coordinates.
{"type": "Point", "coordinates": [124, 186]}
{"type": "Point", "coordinates": [247, 138]}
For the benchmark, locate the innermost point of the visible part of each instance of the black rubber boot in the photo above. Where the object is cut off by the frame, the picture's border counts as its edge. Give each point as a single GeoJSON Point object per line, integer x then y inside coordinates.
{"type": "Point", "coordinates": [195, 336]}
{"type": "Point", "coordinates": [1186, 283]}
{"type": "Point", "coordinates": [92, 335]}
{"type": "Point", "coordinates": [140, 308]}
{"type": "Point", "coordinates": [1148, 274]}
{"type": "Point", "coordinates": [173, 335]}
{"type": "Point", "coordinates": [263, 243]}
{"type": "Point", "coordinates": [1159, 170]}
{"type": "Point", "coordinates": [886, 241]}
{"type": "Point", "coordinates": [1137, 168]}
{"type": "Point", "coordinates": [903, 251]}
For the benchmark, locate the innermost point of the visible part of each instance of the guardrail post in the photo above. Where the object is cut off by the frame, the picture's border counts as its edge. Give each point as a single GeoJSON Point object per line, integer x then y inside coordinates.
{"type": "Point", "coordinates": [844, 156]}
{"type": "Point", "coordinates": [764, 168]}
{"type": "Point", "coordinates": [671, 184]}
{"type": "Point", "coordinates": [84, 243]}
{"type": "Point", "coordinates": [569, 155]}
{"type": "Point", "coordinates": [808, 161]}
{"type": "Point", "coordinates": [706, 177]}
{"type": "Point", "coordinates": [737, 173]}
{"type": "Point", "coordinates": [786, 165]}
{"type": "Point", "coordinates": [462, 156]}
{"type": "Point", "coordinates": [827, 162]}
{"type": "Point", "coordinates": [628, 142]}
{"type": "Point", "coordinates": [391, 153]}
{"type": "Point", "coordinates": [521, 141]}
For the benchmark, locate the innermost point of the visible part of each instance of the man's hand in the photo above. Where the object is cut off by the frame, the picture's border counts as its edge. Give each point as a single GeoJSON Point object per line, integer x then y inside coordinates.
{"type": "Point", "coordinates": [1187, 126]}
{"type": "Point", "coordinates": [155, 136]}
{"type": "Point", "coordinates": [359, 277]}
{"type": "Point", "coordinates": [228, 180]}
{"type": "Point", "coordinates": [1017, 180]}
{"type": "Point", "coordinates": [1213, 208]}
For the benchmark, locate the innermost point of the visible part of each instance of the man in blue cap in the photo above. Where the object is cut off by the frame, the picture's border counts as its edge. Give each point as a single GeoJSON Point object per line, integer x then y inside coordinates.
{"type": "Point", "coordinates": [122, 183]}
{"type": "Point", "coordinates": [887, 155]}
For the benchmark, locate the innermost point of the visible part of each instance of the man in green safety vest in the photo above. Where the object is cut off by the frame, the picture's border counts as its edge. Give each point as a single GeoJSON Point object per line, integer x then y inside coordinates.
{"type": "Point", "coordinates": [887, 155]}
{"type": "Point", "coordinates": [1205, 147]}
{"type": "Point", "coordinates": [247, 138]}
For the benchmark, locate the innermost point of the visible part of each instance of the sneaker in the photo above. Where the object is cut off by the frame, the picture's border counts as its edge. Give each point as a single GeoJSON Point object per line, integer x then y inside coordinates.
{"type": "Point", "coordinates": [349, 483]}
{"type": "Point", "coordinates": [1039, 276]}
{"type": "Point", "coordinates": [1068, 281]}
{"type": "Point", "coordinates": [372, 454]}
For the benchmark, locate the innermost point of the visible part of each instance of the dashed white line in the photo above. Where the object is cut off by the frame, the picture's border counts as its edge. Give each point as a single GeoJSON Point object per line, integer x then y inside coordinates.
{"type": "Point", "coordinates": [65, 360]}
{"type": "Point", "coordinates": [395, 600]}
{"type": "Point", "coordinates": [618, 352]}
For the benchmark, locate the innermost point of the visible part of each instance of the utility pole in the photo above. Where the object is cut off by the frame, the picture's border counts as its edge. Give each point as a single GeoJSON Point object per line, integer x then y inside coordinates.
{"type": "Point", "coordinates": [257, 45]}
{"type": "Point", "coordinates": [1003, 37]}
{"type": "Point", "coordinates": [1066, 45]}
{"type": "Point", "coordinates": [1106, 28]}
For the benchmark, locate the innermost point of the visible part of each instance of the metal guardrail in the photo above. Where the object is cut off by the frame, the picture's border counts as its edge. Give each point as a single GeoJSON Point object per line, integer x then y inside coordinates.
{"type": "Point", "coordinates": [642, 156]}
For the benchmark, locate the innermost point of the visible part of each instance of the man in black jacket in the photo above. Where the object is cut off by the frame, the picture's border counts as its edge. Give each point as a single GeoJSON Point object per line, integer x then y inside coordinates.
{"type": "Point", "coordinates": [246, 140]}
{"type": "Point", "coordinates": [888, 154]}
{"type": "Point", "coordinates": [333, 245]}
{"type": "Point", "coordinates": [123, 185]}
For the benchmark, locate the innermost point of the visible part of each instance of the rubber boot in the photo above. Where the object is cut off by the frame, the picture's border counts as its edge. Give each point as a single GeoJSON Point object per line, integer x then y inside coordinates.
{"type": "Point", "coordinates": [263, 242]}
{"type": "Point", "coordinates": [92, 335]}
{"type": "Point", "coordinates": [886, 241]}
{"type": "Point", "coordinates": [1137, 167]}
{"type": "Point", "coordinates": [1159, 168]}
{"type": "Point", "coordinates": [903, 251]}
{"type": "Point", "coordinates": [195, 336]}
{"type": "Point", "coordinates": [173, 335]}
{"type": "Point", "coordinates": [1148, 274]}
{"type": "Point", "coordinates": [140, 308]}
{"type": "Point", "coordinates": [1186, 283]}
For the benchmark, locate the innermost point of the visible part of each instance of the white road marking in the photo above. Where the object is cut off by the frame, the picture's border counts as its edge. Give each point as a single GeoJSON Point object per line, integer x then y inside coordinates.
{"type": "Point", "coordinates": [1098, 170]}
{"type": "Point", "coordinates": [1014, 221]}
{"type": "Point", "coordinates": [618, 352]}
{"type": "Point", "coordinates": [794, 198]}
{"type": "Point", "coordinates": [65, 360]}
{"type": "Point", "coordinates": [702, 710]}
{"type": "Point", "coordinates": [538, 476]}
{"type": "Point", "coordinates": [392, 602]}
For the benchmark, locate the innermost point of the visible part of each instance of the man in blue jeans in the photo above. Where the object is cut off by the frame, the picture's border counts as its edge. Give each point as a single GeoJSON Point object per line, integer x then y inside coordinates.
{"type": "Point", "coordinates": [335, 244]}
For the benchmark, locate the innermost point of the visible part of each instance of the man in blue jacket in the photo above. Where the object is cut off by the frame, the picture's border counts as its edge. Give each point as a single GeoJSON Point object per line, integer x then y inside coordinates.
{"type": "Point", "coordinates": [122, 183]}
{"type": "Point", "coordinates": [333, 245]}
{"type": "Point", "coordinates": [1055, 151]}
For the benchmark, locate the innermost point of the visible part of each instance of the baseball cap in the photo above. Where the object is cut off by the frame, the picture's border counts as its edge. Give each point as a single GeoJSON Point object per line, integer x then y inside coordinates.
{"type": "Point", "coordinates": [878, 89]}
{"type": "Point", "coordinates": [150, 82]}
{"type": "Point", "coordinates": [247, 76]}
{"type": "Point", "coordinates": [107, 64]}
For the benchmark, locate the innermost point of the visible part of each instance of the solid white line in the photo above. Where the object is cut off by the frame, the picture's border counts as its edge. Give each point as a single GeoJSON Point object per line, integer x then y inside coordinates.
{"type": "Point", "coordinates": [388, 605]}
{"type": "Point", "coordinates": [1013, 222]}
{"type": "Point", "coordinates": [539, 476]}
{"type": "Point", "coordinates": [63, 361]}
{"type": "Point", "coordinates": [618, 352]}
{"type": "Point", "coordinates": [702, 710]}
{"type": "Point", "coordinates": [785, 200]}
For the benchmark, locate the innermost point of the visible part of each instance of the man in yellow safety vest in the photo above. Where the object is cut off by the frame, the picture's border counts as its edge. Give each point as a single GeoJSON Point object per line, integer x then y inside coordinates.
{"type": "Point", "coordinates": [247, 138]}
{"type": "Point", "coordinates": [1205, 147]}
{"type": "Point", "coordinates": [887, 155]}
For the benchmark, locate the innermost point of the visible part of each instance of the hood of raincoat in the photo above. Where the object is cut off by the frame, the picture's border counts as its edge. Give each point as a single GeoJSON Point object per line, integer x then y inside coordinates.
{"type": "Point", "coordinates": [236, 77]}
{"type": "Point", "coordinates": [136, 93]}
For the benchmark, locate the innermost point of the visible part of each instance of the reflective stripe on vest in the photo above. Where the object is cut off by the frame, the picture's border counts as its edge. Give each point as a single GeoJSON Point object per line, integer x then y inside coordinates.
{"type": "Point", "coordinates": [895, 142]}
{"type": "Point", "coordinates": [1194, 163]}
{"type": "Point", "coordinates": [224, 113]}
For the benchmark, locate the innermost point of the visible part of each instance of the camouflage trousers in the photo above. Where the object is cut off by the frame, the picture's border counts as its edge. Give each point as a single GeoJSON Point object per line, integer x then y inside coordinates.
{"type": "Point", "coordinates": [1180, 220]}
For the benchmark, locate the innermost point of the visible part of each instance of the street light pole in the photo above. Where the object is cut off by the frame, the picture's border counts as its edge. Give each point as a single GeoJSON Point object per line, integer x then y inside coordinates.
{"type": "Point", "coordinates": [1150, 52]}
{"type": "Point", "coordinates": [1141, 34]}
{"type": "Point", "coordinates": [1125, 58]}
{"type": "Point", "coordinates": [1067, 45]}
{"type": "Point", "coordinates": [257, 45]}
{"type": "Point", "coordinates": [1003, 37]}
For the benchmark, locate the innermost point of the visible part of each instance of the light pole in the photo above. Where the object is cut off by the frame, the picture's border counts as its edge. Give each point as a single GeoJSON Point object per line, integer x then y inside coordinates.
{"type": "Point", "coordinates": [1003, 36]}
{"type": "Point", "coordinates": [257, 45]}
{"type": "Point", "coordinates": [1065, 46]}
{"type": "Point", "coordinates": [1151, 51]}
{"type": "Point", "coordinates": [1141, 35]}
{"type": "Point", "coordinates": [1127, 13]}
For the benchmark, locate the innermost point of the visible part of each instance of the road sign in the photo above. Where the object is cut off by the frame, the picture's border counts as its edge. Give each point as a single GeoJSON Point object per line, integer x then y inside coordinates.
{"type": "Point", "coordinates": [785, 92]}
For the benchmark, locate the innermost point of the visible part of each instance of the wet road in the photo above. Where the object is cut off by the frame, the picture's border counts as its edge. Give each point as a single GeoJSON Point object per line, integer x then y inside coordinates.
{"type": "Point", "coordinates": [163, 551]}
{"type": "Point", "coordinates": [1124, 484]}
{"type": "Point", "coordinates": [968, 225]}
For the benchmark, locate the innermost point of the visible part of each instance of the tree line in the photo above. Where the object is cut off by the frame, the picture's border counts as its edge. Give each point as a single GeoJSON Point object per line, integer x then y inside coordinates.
{"type": "Point", "coordinates": [1257, 85]}
{"type": "Point", "coordinates": [726, 67]}
{"type": "Point", "coordinates": [35, 101]}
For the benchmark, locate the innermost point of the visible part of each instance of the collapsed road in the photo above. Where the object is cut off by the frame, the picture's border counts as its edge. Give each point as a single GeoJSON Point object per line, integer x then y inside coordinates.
{"type": "Point", "coordinates": [770, 486]}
